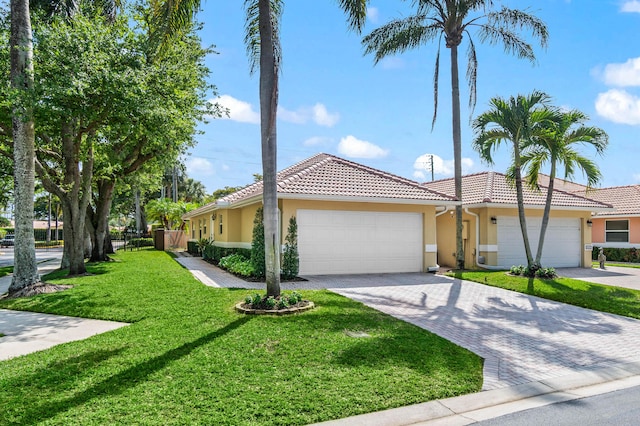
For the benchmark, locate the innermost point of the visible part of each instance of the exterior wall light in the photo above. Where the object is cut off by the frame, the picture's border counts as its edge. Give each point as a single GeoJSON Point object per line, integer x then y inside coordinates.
{"type": "Point", "coordinates": [589, 223]}
{"type": "Point", "coordinates": [213, 216]}
{"type": "Point", "coordinates": [494, 220]}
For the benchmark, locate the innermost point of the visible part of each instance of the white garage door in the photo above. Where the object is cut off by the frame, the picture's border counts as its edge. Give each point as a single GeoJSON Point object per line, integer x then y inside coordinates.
{"type": "Point", "coordinates": [356, 242]}
{"type": "Point", "coordinates": [562, 242]}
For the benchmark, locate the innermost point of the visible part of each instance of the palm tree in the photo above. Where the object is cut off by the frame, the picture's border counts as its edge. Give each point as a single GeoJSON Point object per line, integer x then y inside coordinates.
{"type": "Point", "coordinates": [452, 19]}
{"type": "Point", "coordinates": [517, 120]}
{"type": "Point", "coordinates": [557, 146]}
{"type": "Point", "coordinates": [25, 271]}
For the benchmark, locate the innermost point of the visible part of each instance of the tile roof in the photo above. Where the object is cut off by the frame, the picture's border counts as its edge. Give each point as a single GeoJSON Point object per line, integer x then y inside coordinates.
{"type": "Point", "coordinates": [326, 176]}
{"type": "Point", "coordinates": [624, 199]}
{"type": "Point", "coordinates": [561, 184]}
{"type": "Point", "coordinates": [493, 188]}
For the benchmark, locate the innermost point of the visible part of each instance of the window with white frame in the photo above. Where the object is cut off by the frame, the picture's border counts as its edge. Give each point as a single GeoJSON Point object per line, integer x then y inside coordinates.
{"type": "Point", "coordinates": [617, 231]}
{"type": "Point", "coordinates": [220, 223]}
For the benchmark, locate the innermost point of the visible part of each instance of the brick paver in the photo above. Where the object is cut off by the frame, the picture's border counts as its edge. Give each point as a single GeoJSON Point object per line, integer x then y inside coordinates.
{"type": "Point", "coordinates": [521, 338]}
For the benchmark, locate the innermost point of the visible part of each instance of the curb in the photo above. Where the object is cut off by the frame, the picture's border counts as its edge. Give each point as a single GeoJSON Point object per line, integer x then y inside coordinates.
{"type": "Point", "coordinates": [471, 408]}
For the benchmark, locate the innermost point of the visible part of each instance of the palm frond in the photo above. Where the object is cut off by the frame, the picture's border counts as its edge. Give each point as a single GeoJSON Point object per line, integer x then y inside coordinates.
{"type": "Point", "coordinates": [472, 75]}
{"type": "Point", "coordinates": [515, 19]}
{"type": "Point", "coordinates": [436, 78]}
{"type": "Point", "coordinates": [399, 36]}
{"type": "Point", "coordinates": [356, 11]}
{"type": "Point", "coordinates": [252, 32]}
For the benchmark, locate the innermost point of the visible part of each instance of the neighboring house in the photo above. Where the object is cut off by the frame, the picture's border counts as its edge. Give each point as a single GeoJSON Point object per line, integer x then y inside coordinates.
{"type": "Point", "coordinates": [492, 235]}
{"type": "Point", "coordinates": [351, 218]}
{"type": "Point", "coordinates": [620, 227]}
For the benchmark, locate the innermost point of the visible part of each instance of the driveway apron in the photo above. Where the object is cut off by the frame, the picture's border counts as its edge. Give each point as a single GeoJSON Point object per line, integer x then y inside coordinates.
{"type": "Point", "coordinates": [521, 338]}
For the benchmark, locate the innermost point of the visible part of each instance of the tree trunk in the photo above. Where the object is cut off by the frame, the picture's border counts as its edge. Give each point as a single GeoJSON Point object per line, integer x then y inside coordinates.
{"type": "Point", "coordinates": [520, 198]}
{"type": "Point", "coordinates": [25, 270]}
{"type": "Point", "coordinates": [457, 152]}
{"type": "Point", "coordinates": [268, 108]}
{"type": "Point", "coordinates": [100, 221]}
{"type": "Point", "coordinates": [547, 211]}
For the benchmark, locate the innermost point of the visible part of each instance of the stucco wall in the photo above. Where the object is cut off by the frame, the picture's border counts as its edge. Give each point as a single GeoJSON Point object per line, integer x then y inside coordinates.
{"type": "Point", "coordinates": [598, 232]}
{"type": "Point", "coordinates": [487, 245]}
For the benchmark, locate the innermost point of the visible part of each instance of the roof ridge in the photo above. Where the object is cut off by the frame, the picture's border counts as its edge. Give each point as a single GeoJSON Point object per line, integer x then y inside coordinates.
{"type": "Point", "coordinates": [488, 188]}
{"type": "Point", "coordinates": [573, 194]}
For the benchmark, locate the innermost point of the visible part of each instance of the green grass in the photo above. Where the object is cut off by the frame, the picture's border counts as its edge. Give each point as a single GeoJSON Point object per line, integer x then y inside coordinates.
{"type": "Point", "coordinates": [599, 297]}
{"type": "Point", "coordinates": [189, 358]}
{"type": "Point", "coordinates": [621, 265]}
{"type": "Point", "coordinates": [5, 270]}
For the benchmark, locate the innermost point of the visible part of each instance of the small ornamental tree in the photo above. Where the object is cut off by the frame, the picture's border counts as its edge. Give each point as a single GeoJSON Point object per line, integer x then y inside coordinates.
{"type": "Point", "coordinates": [257, 245]}
{"type": "Point", "coordinates": [291, 259]}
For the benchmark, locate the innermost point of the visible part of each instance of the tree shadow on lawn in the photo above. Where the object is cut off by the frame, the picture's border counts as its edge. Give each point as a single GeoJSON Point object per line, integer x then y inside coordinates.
{"type": "Point", "coordinates": [120, 382]}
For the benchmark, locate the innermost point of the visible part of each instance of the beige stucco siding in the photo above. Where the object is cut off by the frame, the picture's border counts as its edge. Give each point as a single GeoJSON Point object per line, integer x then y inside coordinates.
{"type": "Point", "coordinates": [488, 232]}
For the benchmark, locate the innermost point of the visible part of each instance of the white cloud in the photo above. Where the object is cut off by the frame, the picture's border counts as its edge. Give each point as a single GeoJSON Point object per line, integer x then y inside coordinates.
{"type": "Point", "coordinates": [623, 75]}
{"type": "Point", "coordinates": [238, 110]}
{"type": "Point", "coordinates": [422, 166]}
{"type": "Point", "coordinates": [199, 166]}
{"type": "Point", "coordinates": [619, 106]}
{"type": "Point", "coordinates": [392, 63]}
{"type": "Point", "coordinates": [317, 113]}
{"type": "Point", "coordinates": [316, 140]}
{"type": "Point", "coordinates": [352, 147]}
{"type": "Point", "coordinates": [373, 15]}
{"type": "Point", "coordinates": [630, 6]}
{"type": "Point", "coordinates": [322, 117]}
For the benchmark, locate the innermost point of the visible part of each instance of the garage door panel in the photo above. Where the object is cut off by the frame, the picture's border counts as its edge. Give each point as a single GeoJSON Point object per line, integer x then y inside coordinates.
{"type": "Point", "coordinates": [341, 242]}
{"type": "Point", "coordinates": [561, 246]}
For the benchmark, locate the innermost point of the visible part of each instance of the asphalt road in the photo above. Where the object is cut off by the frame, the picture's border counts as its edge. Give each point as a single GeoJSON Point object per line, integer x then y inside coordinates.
{"type": "Point", "coordinates": [6, 255]}
{"type": "Point", "coordinates": [617, 408]}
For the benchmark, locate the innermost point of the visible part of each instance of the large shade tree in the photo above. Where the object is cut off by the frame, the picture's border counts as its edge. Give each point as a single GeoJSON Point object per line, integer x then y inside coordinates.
{"type": "Point", "coordinates": [556, 147]}
{"type": "Point", "coordinates": [451, 20]}
{"type": "Point", "coordinates": [515, 122]}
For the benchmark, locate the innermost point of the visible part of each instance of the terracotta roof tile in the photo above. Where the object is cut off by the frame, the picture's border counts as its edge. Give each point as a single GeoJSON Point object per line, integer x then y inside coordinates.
{"type": "Point", "coordinates": [494, 188]}
{"type": "Point", "coordinates": [325, 175]}
{"type": "Point", "coordinates": [624, 199]}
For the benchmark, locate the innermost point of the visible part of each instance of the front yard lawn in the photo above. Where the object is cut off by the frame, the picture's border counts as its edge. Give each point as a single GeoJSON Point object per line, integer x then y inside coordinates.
{"type": "Point", "coordinates": [189, 358]}
{"type": "Point", "coordinates": [621, 265]}
{"type": "Point", "coordinates": [615, 300]}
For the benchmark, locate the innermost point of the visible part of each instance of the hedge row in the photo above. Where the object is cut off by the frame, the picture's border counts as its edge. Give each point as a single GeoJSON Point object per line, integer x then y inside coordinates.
{"type": "Point", "coordinates": [215, 253]}
{"type": "Point", "coordinates": [631, 255]}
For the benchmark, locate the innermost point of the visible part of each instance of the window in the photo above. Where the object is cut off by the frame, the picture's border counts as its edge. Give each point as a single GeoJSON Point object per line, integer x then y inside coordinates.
{"type": "Point", "coordinates": [220, 222]}
{"type": "Point", "coordinates": [617, 231]}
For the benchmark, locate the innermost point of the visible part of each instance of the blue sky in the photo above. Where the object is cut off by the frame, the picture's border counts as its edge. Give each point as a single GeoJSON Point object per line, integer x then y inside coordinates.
{"type": "Point", "coordinates": [334, 100]}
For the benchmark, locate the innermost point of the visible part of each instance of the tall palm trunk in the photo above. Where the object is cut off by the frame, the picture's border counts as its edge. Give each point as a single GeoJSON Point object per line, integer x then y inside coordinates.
{"type": "Point", "coordinates": [520, 198]}
{"type": "Point", "coordinates": [268, 108]}
{"type": "Point", "coordinates": [25, 270]}
{"type": "Point", "coordinates": [547, 210]}
{"type": "Point", "coordinates": [457, 152]}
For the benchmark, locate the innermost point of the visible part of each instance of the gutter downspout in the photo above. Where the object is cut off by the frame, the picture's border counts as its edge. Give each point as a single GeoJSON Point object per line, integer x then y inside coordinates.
{"type": "Point", "coordinates": [436, 268]}
{"type": "Point", "coordinates": [488, 267]}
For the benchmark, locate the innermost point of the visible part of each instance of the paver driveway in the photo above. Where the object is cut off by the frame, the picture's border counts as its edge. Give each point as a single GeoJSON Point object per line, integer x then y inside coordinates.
{"type": "Point", "coordinates": [521, 338]}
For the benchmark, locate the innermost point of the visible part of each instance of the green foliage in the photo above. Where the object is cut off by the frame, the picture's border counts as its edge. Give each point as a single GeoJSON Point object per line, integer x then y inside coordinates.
{"type": "Point", "coordinates": [140, 242]}
{"type": "Point", "coordinates": [291, 258]}
{"type": "Point", "coordinates": [257, 245]}
{"type": "Point", "coordinates": [215, 253]}
{"type": "Point", "coordinates": [203, 244]}
{"type": "Point", "coordinates": [4, 221]}
{"type": "Point", "coordinates": [631, 255]}
{"type": "Point", "coordinates": [539, 272]}
{"type": "Point", "coordinates": [237, 264]}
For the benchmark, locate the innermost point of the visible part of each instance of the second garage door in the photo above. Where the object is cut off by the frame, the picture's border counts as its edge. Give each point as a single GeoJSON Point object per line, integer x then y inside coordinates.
{"type": "Point", "coordinates": [562, 242]}
{"type": "Point", "coordinates": [358, 242]}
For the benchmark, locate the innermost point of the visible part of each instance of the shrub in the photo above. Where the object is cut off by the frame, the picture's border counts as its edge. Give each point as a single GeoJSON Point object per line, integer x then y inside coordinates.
{"type": "Point", "coordinates": [192, 247]}
{"type": "Point", "coordinates": [291, 259]}
{"type": "Point", "coordinates": [140, 242]}
{"type": "Point", "coordinates": [202, 244]}
{"type": "Point", "coordinates": [257, 245]}
{"type": "Point", "coordinates": [546, 273]}
{"type": "Point", "coordinates": [237, 264]}
{"type": "Point", "coordinates": [517, 270]}
{"type": "Point", "coordinates": [284, 301]}
{"type": "Point", "coordinates": [534, 271]}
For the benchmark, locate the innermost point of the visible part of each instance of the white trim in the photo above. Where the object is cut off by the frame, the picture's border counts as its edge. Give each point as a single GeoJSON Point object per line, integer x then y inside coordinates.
{"type": "Point", "coordinates": [538, 207]}
{"type": "Point", "coordinates": [493, 248]}
{"type": "Point", "coordinates": [382, 200]}
{"type": "Point", "coordinates": [430, 248]}
{"type": "Point", "coordinates": [226, 244]}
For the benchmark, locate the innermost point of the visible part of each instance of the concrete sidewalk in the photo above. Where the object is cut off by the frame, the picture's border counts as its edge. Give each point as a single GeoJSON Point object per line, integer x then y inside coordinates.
{"type": "Point", "coordinates": [27, 332]}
